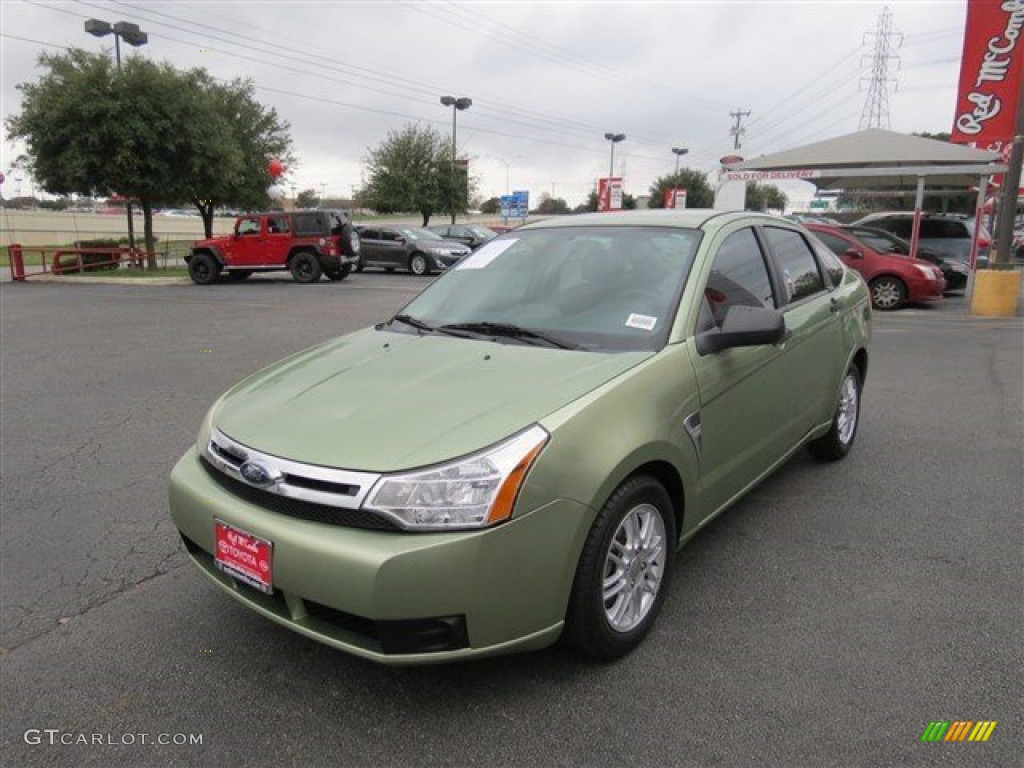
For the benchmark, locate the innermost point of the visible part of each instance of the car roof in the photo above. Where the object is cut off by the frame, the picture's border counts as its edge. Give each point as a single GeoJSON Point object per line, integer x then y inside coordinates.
{"type": "Point", "coordinates": [691, 218]}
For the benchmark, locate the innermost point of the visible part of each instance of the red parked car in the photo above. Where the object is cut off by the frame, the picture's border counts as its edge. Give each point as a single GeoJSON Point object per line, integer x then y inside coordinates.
{"type": "Point", "coordinates": [895, 279]}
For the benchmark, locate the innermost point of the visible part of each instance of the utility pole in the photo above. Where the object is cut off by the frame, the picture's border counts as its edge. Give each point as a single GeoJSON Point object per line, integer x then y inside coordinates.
{"type": "Point", "coordinates": [737, 130]}
{"type": "Point", "coordinates": [1009, 191]}
{"type": "Point", "coordinates": [876, 106]}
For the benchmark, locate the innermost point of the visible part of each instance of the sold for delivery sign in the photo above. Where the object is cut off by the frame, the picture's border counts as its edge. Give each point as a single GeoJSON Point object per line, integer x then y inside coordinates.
{"type": "Point", "coordinates": [990, 73]}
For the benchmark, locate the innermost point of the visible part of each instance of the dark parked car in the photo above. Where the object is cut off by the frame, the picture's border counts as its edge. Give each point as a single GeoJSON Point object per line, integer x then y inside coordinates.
{"type": "Point", "coordinates": [893, 279]}
{"type": "Point", "coordinates": [418, 250]}
{"type": "Point", "coordinates": [945, 234]}
{"type": "Point", "coordinates": [472, 235]}
{"type": "Point", "coordinates": [954, 270]}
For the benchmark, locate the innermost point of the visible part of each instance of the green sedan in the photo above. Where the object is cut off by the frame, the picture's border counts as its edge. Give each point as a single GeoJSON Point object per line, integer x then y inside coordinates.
{"type": "Point", "coordinates": [516, 456]}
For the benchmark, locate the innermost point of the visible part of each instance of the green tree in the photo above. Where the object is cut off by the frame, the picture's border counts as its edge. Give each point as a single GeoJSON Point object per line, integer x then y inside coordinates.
{"type": "Point", "coordinates": [551, 205]}
{"type": "Point", "coordinates": [699, 193]}
{"type": "Point", "coordinates": [148, 132]}
{"type": "Point", "coordinates": [764, 197]}
{"type": "Point", "coordinates": [228, 164]}
{"type": "Point", "coordinates": [490, 206]}
{"type": "Point", "coordinates": [307, 198]}
{"type": "Point", "coordinates": [412, 170]}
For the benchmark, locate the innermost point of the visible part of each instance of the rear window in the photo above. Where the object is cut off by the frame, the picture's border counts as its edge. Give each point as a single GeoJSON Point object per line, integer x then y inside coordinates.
{"type": "Point", "coordinates": [308, 224]}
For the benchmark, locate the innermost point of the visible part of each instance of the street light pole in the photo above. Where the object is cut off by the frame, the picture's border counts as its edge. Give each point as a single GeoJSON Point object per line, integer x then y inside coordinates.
{"type": "Point", "coordinates": [134, 37]}
{"type": "Point", "coordinates": [457, 104]}
{"type": "Point", "coordinates": [678, 152]}
{"type": "Point", "coordinates": [614, 138]}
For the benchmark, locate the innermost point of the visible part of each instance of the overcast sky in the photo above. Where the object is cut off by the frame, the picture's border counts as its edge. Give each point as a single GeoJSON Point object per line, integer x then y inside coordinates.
{"type": "Point", "coordinates": [547, 79]}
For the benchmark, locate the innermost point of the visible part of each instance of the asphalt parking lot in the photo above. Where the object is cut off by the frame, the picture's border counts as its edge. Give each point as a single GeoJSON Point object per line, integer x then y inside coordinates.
{"type": "Point", "coordinates": [824, 620]}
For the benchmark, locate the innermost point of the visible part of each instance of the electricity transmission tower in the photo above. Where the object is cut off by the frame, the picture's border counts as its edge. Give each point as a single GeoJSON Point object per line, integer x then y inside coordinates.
{"type": "Point", "coordinates": [876, 107]}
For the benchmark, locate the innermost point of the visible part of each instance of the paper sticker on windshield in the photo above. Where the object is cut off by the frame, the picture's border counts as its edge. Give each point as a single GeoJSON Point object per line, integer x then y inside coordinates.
{"type": "Point", "coordinates": [643, 322]}
{"type": "Point", "coordinates": [485, 254]}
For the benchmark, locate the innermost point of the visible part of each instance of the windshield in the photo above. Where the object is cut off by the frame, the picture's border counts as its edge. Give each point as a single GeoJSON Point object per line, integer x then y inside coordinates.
{"type": "Point", "coordinates": [483, 232]}
{"type": "Point", "coordinates": [588, 288]}
{"type": "Point", "coordinates": [420, 234]}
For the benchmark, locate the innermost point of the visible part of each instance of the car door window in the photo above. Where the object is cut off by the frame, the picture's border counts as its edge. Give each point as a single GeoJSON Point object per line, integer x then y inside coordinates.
{"type": "Point", "coordinates": [796, 263]}
{"type": "Point", "coordinates": [249, 226]}
{"type": "Point", "coordinates": [278, 225]}
{"type": "Point", "coordinates": [739, 276]}
{"type": "Point", "coordinates": [369, 234]}
{"type": "Point", "coordinates": [827, 255]}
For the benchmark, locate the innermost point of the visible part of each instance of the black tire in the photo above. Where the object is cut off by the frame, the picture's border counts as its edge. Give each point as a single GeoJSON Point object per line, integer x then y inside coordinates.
{"type": "Point", "coordinates": [339, 274]}
{"type": "Point", "coordinates": [888, 293]}
{"type": "Point", "coordinates": [203, 269]}
{"type": "Point", "coordinates": [239, 274]}
{"type": "Point", "coordinates": [305, 267]}
{"type": "Point", "coordinates": [838, 441]}
{"type": "Point", "coordinates": [608, 627]}
{"type": "Point", "coordinates": [419, 265]}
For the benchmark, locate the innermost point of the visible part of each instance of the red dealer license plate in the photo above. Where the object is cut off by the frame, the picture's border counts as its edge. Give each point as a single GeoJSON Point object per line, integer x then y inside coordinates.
{"type": "Point", "coordinates": [243, 556]}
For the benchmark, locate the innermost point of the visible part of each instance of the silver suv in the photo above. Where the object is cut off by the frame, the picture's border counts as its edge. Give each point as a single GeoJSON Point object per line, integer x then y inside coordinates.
{"type": "Point", "coordinates": [946, 234]}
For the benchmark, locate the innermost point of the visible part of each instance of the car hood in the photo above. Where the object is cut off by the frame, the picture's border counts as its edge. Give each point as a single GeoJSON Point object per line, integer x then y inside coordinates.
{"type": "Point", "coordinates": [382, 401]}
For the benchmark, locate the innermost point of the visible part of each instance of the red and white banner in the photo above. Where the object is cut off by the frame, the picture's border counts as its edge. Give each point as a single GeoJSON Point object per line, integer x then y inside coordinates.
{"type": "Point", "coordinates": [675, 197]}
{"type": "Point", "coordinates": [990, 74]}
{"type": "Point", "coordinates": [609, 194]}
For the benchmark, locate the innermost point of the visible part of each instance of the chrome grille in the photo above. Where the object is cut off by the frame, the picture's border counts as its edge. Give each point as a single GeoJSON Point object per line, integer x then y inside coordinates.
{"type": "Point", "coordinates": [324, 486]}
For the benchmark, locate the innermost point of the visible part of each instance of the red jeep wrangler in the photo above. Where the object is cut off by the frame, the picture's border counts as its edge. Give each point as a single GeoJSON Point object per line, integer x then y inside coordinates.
{"type": "Point", "coordinates": [307, 243]}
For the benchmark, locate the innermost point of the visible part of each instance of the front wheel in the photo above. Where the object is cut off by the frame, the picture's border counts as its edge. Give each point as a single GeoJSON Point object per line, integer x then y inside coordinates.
{"type": "Point", "coordinates": [419, 265]}
{"type": "Point", "coordinates": [623, 573]}
{"type": "Point", "coordinates": [305, 267]}
{"type": "Point", "coordinates": [203, 269]}
{"type": "Point", "coordinates": [838, 441]}
{"type": "Point", "coordinates": [888, 293]}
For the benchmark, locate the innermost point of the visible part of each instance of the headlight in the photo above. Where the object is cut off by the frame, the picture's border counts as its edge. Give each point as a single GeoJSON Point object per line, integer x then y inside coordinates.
{"type": "Point", "coordinates": [473, 492]}
{"type": "Point", "coordinates": [926, 271]}
{"type": "Point", "coordinates": [440, 252]}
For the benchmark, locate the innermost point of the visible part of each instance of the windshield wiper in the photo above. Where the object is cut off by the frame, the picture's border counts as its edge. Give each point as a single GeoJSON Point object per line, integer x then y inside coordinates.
{"type": "Point", "coordinates": [416, 323]}
{"type": "Point", "coordinates": [423, 327]}
{"type": "Point", "coordinates": [511, 331]}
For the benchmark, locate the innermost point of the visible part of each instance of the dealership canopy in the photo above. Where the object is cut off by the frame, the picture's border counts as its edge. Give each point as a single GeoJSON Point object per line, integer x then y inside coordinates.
{"type": "Point", "coordinates": [872, 158]}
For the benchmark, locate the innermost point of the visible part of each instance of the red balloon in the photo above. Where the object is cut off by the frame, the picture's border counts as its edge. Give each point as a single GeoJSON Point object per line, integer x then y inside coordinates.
{"type": "Point", "coordinates": [275, 167]}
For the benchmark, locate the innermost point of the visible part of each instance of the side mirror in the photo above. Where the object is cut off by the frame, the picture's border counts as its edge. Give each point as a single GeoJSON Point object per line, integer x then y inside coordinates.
{"type": "Point", "coordinates": [744, 327]}
{"type": "Point", "coordinates": [853, 253]}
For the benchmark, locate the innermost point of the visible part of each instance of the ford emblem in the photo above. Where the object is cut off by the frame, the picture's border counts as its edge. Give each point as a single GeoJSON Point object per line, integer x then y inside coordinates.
{"type": "Point", "coordinates": [254, 474]}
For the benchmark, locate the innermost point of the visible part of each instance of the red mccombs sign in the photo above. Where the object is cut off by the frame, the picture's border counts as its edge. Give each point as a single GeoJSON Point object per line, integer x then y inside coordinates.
{"type": "Point", "coordinates": [990, 73]}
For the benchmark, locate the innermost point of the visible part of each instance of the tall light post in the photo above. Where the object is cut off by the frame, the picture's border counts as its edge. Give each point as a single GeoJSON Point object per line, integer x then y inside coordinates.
{"type": "Point", "coordinates": [134, 36]}
{"type": "Point", "coordinates": [678, 152]}
{"type": "Point", "coordinates": [614, 138]}
{"type": "Point", "coordinates": [457, 105]}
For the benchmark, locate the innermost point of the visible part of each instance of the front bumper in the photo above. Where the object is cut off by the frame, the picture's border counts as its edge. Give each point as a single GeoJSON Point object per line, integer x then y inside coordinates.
{"type": "Point", "coordinates": [396, 598]}
{"type": "Point", "coordinates": [923, 289]}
